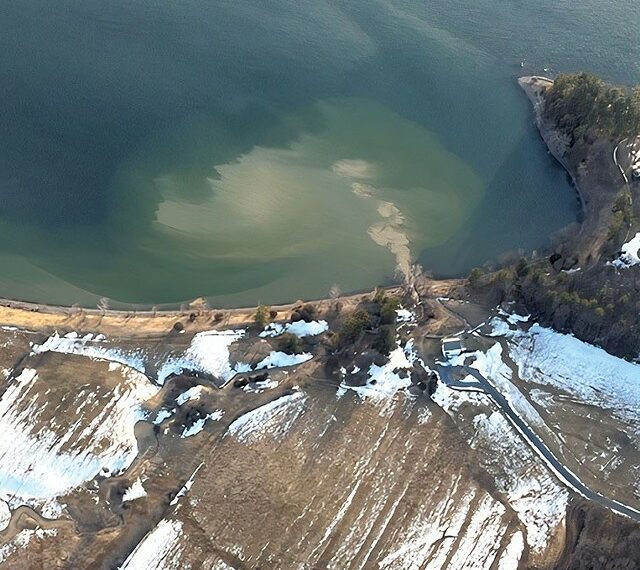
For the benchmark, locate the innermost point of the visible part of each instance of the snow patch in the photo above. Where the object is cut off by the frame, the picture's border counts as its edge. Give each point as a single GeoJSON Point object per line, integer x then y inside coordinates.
{"type": "Point", "coordinates": [514, 318]}
{"type": "Point", "coordinates": [452, 401]}
{"type": "Point", "coordinates": [195, 428]}
{"type": "Point", "coordinates": [221, 565]}
{"type": "Point", "coordinates": [540, 502]}
{"type": "Point", "coordinates": [257, 387]}
{"type": "Point", "coordinates": [5, 515]}
{"type": "Point", "coordinates": [462, 530]}
{"type": "Point", "coordinates": [136, 491]}
{"type": "Point", "coordinates": [159, 549]}
{"type": "Point", "coordinates": [530, 489]}
{"type": "Point", "coordinates": [492, 367]}
{"type": "Point", "coordinates": [208, 353]}
{"type": "Point", "coordinates": [512, 553]}
{"type": "Point", "coordinates": [275, 418]}
{"type": "Point", "coordinates": [629, 254]}
{"type": "Point", "coordinates": [546, 357]}
{"type": "Point", "coordinates": [51, 509]}
{"type": "Point", "coordinates": [424, 415]}
{"type": "Point", "coordinates": [22, 540]}
{"type": "Point", "coordinates": [191, 394]}
{"type": "Point", "coordinates": [298, 328]}
{"type": "Point", "coordinates": [198, 425]}
{"type": "Point", "coordinates": [484, 526]}
{"type": "Point", "coordinates": [384, 381]}
{"type": "Point", "coordinates": [92, 347]}
{"type": "Point", "coordinates": [41, 459]}
{"type": "Point", "coordinates": [162, 415]}
{"type": "Point", "coordinates": [277, 359]}
{"type": "Point", "coordinates": [187, 486]}
{"type": "Point", "coordinates": [405, 316]}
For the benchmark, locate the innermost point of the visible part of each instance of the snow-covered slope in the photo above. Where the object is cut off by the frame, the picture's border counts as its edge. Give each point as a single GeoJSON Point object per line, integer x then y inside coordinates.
{"type": "Point", "coordinates": [51, 445]}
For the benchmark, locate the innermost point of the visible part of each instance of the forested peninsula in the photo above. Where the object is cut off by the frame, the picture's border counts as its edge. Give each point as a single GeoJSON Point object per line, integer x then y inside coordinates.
{"type": "Point", "coordinates": [588, 282]}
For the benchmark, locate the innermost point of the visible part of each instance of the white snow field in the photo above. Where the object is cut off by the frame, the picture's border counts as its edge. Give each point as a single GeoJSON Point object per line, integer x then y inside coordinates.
{"type": "Point", "coordinates": [50, 446]}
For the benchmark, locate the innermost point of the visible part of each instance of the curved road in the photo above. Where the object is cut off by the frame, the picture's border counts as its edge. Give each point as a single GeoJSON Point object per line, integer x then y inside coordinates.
{"type": "Point", "coordinates": [615, 161]}
{"type": "Point", "coordinates": [562, 472]}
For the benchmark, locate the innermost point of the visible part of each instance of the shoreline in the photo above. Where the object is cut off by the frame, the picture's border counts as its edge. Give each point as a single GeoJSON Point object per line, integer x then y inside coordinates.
{"type": "Point", "coordinates": [197, 316]}
{"type": "Point", "coordinates": [596, 178]}
{"type": "Point", "coordinates": [532, 85]}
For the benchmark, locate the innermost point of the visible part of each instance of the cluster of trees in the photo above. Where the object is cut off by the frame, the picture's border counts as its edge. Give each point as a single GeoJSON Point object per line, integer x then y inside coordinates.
{"type": "Point", "coordinates": [289, 343]}
{"type": "Point", "coordinates": [378, 317]}
{"type": "Point", "coordinates": [263, 316]}
{"type": "Point", "coordinates": [581, 105]}
{"type": "Point", "coordinates": [621, 221]}
{"type": "Point", "coordinates": [598, 305]}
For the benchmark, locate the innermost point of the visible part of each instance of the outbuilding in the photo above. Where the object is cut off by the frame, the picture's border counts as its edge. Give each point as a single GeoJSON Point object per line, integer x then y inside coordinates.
{"type": "Point", "coordinates": [451, 347]}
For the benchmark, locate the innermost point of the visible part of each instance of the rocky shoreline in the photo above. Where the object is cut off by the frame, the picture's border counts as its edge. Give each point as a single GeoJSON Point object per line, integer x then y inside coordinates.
{"type": "Point", "coordinates": [595, 176]}
{"type": "Point", "coordinates": [576, 285]}
{"type": "Point", "coordinates": [534, 87]}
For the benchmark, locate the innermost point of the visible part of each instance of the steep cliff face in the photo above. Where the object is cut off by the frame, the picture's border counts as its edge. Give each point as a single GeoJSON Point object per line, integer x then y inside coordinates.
{"type": "Point", "coordinates": [599, 540]}
{"type": "Point", "coordinates": [597, 166]}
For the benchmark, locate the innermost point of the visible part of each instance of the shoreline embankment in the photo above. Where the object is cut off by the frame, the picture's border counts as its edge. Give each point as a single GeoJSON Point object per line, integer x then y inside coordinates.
{"type": "Point", "coordinates": [197, 316]}
{"type": "Point", "coordinates": [534, 87]}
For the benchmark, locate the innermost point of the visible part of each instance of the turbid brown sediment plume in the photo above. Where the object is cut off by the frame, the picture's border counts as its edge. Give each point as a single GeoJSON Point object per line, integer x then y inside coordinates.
{"type": "Point", "coordinates": [389, 233]}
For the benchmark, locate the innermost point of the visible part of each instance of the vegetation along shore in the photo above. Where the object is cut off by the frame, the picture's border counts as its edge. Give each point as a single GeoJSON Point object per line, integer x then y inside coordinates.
{"type": "Point", "coordinates": [580, 285]}
{"type": "Point", "coordinates": [588, 283]}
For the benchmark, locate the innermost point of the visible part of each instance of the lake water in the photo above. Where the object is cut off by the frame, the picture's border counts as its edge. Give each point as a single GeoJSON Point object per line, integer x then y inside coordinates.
{"type": "Point", "coordinates": [245, 151]}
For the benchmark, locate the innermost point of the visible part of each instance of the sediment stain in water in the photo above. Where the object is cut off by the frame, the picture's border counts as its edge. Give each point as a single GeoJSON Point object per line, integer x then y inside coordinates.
{"type": "Point", "coordinates": [298, 201]}
{"type": "Point", "coordinates": [330, 194]}
{"type": "Point", "coordinates": [128, 127]}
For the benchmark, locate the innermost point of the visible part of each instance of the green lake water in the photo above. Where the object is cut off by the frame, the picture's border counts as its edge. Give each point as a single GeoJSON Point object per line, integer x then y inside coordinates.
{"type": "Point", "coordinates": [154, 152]}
